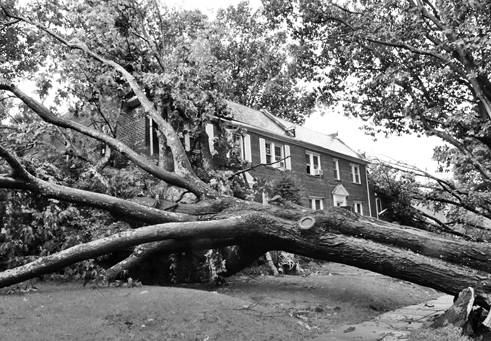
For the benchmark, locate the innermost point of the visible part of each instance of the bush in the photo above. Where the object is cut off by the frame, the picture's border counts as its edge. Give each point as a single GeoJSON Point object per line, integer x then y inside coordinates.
{"type": "Point", "coordinates": [288, 187]}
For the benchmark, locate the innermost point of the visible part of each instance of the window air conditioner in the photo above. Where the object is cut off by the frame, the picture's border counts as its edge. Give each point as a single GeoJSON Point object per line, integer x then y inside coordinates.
{"type": "Point", "coordinates": [318, 172]}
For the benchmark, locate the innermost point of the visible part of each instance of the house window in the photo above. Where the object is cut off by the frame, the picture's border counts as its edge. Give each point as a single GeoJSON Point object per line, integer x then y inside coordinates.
{"type": "Point", "coordinates": [313, 162]}
{"type": "Point", "coordinates": [238, 146]}
{"type": "Point", "coordinates": [355, 173]}
{"type": "Point", "coordinates": [242, 146]}
{"type": "Point", "coordinates": [316, 203]}
{"type": "Point", "coordinates": [274, 153]}
{"type": "Point", "coordinates": [358, 207]}
{"type": "Point", "coordinates": [335, 163]}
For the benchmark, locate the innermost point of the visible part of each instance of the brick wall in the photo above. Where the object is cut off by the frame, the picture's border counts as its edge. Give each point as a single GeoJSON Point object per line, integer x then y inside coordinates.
{"type": "Point", "coordinates": [132, 130]}
{"type": "Point", "coordinates": [133, 127]}
{"type": "Point", "coordinates": [315, 186]}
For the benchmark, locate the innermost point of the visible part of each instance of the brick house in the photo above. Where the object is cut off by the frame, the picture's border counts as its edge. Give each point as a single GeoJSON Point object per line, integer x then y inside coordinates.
{"type": "Point", "coordinates": [330, 172]}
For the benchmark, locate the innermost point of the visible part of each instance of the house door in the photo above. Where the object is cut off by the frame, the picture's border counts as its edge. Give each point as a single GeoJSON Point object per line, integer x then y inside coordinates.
{"type": "Point", "coordinates": [340, 200]}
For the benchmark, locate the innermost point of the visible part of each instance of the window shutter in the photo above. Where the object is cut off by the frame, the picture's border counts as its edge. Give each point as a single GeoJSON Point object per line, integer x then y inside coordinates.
{"type": "Point", "coordinates": [288, 160]}
{"type": "Point", "coordinates": [262, 150]}
{"type": "Point", "coordinates": [247, 148]}
{"type": "Point", "coordinates": [211, 136]}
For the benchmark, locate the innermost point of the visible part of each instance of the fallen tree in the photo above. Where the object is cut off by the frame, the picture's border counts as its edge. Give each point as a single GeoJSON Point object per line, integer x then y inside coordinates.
{"type": "Point", "coordinates": [219, 220]}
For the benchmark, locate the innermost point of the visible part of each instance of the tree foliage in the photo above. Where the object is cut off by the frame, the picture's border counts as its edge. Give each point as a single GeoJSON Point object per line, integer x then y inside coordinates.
{"type": "Point", "coordinates": [95, 56]}
{"type": "Point", "coordinates": [260, 70]}
{"type": "Point", "coordinates": [407, 67]}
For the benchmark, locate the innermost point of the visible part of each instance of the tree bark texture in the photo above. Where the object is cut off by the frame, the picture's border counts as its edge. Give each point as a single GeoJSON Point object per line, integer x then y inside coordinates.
{"type": "Point", "coordinates": [337, 235]}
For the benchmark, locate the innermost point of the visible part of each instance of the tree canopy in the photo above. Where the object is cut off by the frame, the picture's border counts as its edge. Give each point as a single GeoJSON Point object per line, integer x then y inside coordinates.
{"type": "Point", "coordinates": [407, 67]}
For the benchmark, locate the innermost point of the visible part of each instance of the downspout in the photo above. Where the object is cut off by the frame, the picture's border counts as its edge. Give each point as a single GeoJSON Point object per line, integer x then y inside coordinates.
{"type": "Point", "coordinates": [368, 192]}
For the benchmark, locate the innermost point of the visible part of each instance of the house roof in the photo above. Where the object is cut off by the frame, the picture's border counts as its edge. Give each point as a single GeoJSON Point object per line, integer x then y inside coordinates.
{"type": "Point", "coordinates": [266, 122]}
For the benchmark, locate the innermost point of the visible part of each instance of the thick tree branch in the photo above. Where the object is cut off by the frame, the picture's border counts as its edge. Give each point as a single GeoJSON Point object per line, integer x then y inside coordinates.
{"type": "Point", "coordinates": [19, 172]}
{"type": "Point", "coordinates": [337, 235]}
{"type": "Point", "coordinates": [188, 182]}
{"type": "Point", "coordinates": [144, 251]}
{"type": "Point", "coordinates": [21, 179]}
{"type": "Point", "coordinates": [242, 171]}
{"type": "Point", "coordinates": [181, 161]}
{"type": "Point", "coordinates": [179, 231]}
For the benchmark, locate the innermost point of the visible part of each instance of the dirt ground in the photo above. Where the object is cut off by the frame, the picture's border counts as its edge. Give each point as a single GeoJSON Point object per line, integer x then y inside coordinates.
{"type": "Point", "coordinates": [247, 308]}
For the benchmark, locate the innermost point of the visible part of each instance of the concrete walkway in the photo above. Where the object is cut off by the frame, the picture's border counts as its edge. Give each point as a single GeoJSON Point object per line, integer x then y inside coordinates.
{"type": "Point", "coordinates": [391, 326]}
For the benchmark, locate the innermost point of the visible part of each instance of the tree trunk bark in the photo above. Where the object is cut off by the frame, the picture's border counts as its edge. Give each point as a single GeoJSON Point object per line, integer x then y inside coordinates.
{"type": "Point", "coordinates": [332, 238]}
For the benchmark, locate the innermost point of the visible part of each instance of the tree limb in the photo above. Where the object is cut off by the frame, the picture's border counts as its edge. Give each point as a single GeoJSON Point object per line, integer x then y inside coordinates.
{"type": "Point", "coordinates": [181, 161]}
{"type": "Point", "coordinates": [19, 171]}
{"type": "Point", "coordinates": [188, 182]}
{"type": "Point", "coordinates": [242, 171]}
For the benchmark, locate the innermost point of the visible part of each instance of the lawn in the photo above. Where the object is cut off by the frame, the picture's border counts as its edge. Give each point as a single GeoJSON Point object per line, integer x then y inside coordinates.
{"type": "Point", "coordinates": [249, 307]}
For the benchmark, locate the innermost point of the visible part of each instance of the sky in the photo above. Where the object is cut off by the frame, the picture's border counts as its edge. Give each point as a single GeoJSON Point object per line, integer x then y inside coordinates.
{"type": "Point", "coordinates": [413, 150]}
{"type": "Point", "coordinates": [409, 149]}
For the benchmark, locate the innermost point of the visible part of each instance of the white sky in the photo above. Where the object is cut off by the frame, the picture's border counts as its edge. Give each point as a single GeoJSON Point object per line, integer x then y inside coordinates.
{"type": "Point", "coordinates": [410, 149]}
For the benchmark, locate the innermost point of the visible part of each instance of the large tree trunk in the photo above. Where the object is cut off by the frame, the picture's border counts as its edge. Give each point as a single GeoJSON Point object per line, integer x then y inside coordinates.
{"type": "Point", "coordinates": [337, 235]}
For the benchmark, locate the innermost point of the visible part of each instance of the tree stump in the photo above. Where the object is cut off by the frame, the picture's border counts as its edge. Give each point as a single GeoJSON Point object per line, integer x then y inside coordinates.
{"type": "Point", "coordinates": [458, 314]}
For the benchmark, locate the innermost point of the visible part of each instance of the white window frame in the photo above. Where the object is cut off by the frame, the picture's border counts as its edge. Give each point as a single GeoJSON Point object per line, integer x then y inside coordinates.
{"type": "Point", "coordinates": [284, 154]}
{"type": "Point", "coordinates": [312, 168]}
{"type": "Point", "coordinates": [355, 173]}
{"type": "Point", "coordinates": [358, 207]}
{"type": "Point", "coordinates": [337, 174]}
{"type": "Point", "coordinates": [273, 154]}
{"type": "Point", "coordinates": [313, 200]}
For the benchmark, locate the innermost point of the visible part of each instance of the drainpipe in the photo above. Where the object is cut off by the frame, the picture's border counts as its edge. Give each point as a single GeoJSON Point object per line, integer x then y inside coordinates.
{"type": "Point", "coordinates": [368, 192]}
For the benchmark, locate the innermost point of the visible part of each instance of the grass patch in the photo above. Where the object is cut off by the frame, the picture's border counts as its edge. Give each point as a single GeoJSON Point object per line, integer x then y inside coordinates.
{"type": "Point", "coordinates": [448, 333]}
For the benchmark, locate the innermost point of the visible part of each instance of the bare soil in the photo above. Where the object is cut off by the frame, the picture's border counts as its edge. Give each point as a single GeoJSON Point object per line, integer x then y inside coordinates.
{"type": "Point", "coordinates": [249, 307]}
